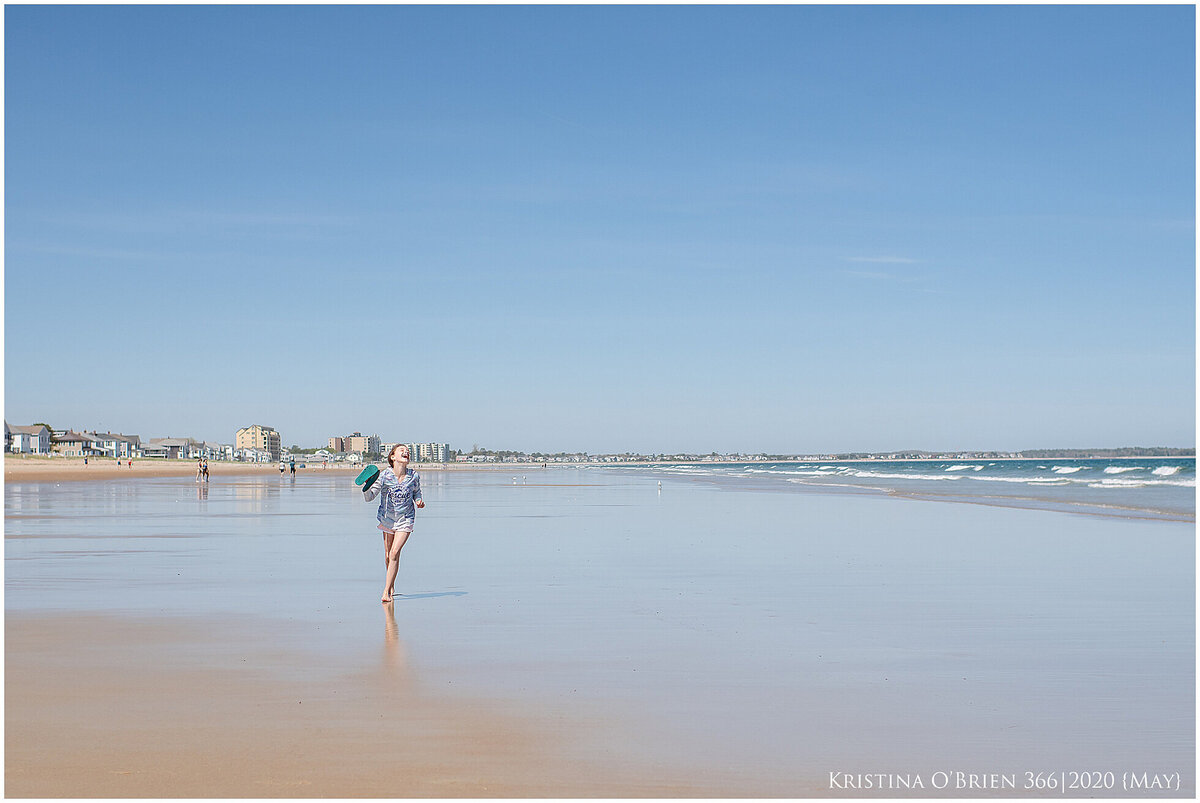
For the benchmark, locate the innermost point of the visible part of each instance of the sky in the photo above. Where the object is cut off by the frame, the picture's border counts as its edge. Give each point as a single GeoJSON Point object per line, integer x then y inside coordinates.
{"type": "Point", "coordinates": [604, 228]}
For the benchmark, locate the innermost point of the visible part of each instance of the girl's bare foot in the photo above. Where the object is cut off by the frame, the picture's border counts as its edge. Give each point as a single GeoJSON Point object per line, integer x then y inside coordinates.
{"type": "Point", "coordinates": [386, 598]}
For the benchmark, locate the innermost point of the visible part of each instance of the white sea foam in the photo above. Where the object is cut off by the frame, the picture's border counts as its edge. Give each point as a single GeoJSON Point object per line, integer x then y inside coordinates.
{"type": "Point", "coordinates": [1123, 469]}
{"type": "Point", "coordinates": [883, 476]}
{"type": "Point", "coordinates": [1026, 480]}
{"type": "Point", "coordinates": [964, 468]}
{"type": "Point", "coordinates": [1124, 483]}
{"type": "Point", "coordinates": [1166, 471]}
{"type": "Point", "coordinates": [1067, 469]}
{"type": "Point", "coordinates": [797, 472]}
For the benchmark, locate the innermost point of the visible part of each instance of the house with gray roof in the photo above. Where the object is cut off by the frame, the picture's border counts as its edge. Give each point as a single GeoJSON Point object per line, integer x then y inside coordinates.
{"type": "Point", "coordinates": [76, 444]}
{"type": "Point", "coordinates": [28, 440]}
{"type": "Point", "coordinates": [115, 445]}
{"type": "Point", "coordinates": [170, 448]}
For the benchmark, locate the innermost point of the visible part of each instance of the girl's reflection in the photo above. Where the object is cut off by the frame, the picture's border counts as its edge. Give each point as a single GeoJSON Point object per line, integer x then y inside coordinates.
{"type": "Point", "coordinates": [394, 657]}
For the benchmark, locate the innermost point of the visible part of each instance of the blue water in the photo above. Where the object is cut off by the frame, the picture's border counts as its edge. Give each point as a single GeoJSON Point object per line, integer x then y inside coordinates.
{"type": "Point", "coordinates": [1155, 488]}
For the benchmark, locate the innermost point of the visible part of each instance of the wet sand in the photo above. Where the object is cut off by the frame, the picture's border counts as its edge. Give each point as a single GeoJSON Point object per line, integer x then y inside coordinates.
{"type": "Point", "coordinates": [583, 635]}
{"type": "Point", "coordinates": [101, 706]}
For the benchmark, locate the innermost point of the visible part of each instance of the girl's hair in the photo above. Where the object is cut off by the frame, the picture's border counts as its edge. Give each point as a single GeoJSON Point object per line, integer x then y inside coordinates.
{"type": "Point", "coordinates": [396, 448]}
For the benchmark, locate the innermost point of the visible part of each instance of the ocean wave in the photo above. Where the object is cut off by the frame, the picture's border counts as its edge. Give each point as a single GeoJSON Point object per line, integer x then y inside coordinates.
{"type": "Point", "coordinates": [1166, 471]}
{"type": "Point", "coordinates": [1026, 480]}
{"type": "Point", "coordinates": [1067, 469]}
{"type": "Point", "coordinates": [882, 476]}
{"type": "Point", "coordinates": [964, 468]}
{"type": "Point", "coordinates": [1123, 469]}
{"type": "Point", "coordinates": [798, 472]}
{"type": "Point", "coordinates": [1124, 483]}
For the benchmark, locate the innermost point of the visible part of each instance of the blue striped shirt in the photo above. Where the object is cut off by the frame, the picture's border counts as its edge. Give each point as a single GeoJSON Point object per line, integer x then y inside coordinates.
{"type": "Point", "coordinates": [398, 496]}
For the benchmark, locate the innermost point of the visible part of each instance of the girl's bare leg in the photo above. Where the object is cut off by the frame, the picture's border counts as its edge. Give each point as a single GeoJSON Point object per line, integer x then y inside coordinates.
{"type": "Point", "coordinates": [393, 565]}
{"type": "Point", "coordinates": [387, 546]}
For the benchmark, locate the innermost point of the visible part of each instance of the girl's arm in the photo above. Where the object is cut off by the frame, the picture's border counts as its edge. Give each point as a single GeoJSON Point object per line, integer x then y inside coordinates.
{"type": "Point", "coordinates": [417, 490]}
{"type": "Point", "coordinates": [376, 487]}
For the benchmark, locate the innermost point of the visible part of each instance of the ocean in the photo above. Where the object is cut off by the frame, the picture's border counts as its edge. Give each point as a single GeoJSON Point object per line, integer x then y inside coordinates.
{"type": "Point", "coordinates": [1146, 488]}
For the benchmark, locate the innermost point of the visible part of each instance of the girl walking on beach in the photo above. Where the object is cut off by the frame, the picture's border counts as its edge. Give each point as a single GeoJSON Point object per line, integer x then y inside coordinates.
{"type": "Point", "coordinates": [400, 495]}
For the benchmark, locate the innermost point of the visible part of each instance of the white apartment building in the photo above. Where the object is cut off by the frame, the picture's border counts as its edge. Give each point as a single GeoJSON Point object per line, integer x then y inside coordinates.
{"type": "Point", "coordinates": [429, 452]}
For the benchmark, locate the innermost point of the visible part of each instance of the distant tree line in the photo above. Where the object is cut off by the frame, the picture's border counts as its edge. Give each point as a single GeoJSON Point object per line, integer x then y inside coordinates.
{"type": "Point", "coordinates": [1125, 451]}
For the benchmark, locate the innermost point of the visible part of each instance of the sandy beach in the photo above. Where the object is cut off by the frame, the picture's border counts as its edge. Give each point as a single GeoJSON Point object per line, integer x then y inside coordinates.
{"type": "Point", "coordinates": [103, 706]}
{"type": "Point", "coordinates": [580, 633]}
{"type": "Point", "coordinates": [19, 468]}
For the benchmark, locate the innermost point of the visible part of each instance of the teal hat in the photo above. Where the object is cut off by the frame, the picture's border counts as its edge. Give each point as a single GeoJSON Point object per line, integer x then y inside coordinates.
{"type": "Point", "coordinates": [366, 478]}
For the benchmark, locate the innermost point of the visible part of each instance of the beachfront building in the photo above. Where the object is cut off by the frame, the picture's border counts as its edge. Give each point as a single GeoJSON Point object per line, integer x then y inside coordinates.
{"type": "Point", "coordinates": [217, 451]}
{"type": "Point", "coordinates": [337, 444]}
{"type": "Point", "coordinates": [363, 444]}
{"type": "Point", "coordinates": [434, 452]}
{"type": "Point", "coordinates": [253, 456]}
{"type": "Point", "coordinates": [116, 445]}
{"type": "Point", "coordinates": [28, 440]}
{"type": "Point", "coordinates": [76, 444]}
{"type": "Point", "coordinates": [256, 436]}
{"type": "Point", "coordinates": [426, 452]}
{"type": "Point", "coordinates": [170, 448]}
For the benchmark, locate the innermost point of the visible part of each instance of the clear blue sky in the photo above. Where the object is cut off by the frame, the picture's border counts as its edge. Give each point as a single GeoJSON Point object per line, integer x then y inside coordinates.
{"type": "Point", "coordinates": [781, 229]}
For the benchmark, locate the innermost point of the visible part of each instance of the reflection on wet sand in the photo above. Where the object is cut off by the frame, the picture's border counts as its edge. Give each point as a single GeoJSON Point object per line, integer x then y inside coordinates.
{"type": "Point", "coordinates": [395, 659]}
{"type": "Point", "coordinates": [253, 493]}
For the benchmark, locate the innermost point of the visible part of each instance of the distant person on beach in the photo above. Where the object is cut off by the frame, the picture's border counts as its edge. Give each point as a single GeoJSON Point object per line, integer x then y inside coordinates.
{"type": "Point", "coordinates": [400, 492]}
{"type": "Point", "coordinates": [131, 463]}
{"type": "Point", "coordinates": [199, 470]}
{"type": "Point", "coordinates": [281, 468]}
{"type": "Point", "coordinates": [206, 471]}
{"type": "Point", "coordinates": [293, 466]}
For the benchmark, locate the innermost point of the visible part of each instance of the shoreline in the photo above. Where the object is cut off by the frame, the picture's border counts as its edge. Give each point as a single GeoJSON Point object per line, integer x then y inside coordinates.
{"type": "Point", "coordinates": [20, 468]}
{"type": "Point", "coordinates": [52, 469]}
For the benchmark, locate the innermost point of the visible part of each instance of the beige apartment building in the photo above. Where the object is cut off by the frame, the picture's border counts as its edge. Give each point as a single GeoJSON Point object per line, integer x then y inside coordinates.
{"type": "Point", "coordinates": [363, 444]}
{"type": "Point", "coordinates": [257, 436]}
